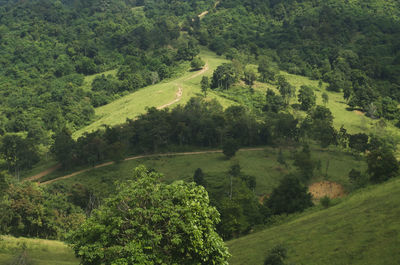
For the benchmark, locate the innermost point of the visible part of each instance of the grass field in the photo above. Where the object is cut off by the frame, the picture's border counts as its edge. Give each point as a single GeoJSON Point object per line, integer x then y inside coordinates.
{"type": "Point", "coordinates": [261, 164]}
{"type": "Point", "coordinates": [38, 251]}
{"type": "Point", "coordinates": [362, 230]}
{"type": "Point", "coordinates": [134, 104]}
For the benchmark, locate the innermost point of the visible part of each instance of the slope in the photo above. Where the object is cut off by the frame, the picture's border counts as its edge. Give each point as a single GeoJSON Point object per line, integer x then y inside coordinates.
{"type": "Point", "coordinates": [158, 95]}
{"type": "Point", "coordinates": [363, 229]}
{"type": "Point", "coordinates": [37, 251]}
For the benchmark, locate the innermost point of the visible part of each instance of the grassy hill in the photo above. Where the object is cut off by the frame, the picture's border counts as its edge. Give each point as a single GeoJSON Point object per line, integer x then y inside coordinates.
{"type": "Point", "coordinates": [363, 229]}
{"type": "Point", "coordinates": [38, 251]}
{"type": "Point", "coordinates": [157, 95]}
{"type": "Point", "coordinates": [261, 164]}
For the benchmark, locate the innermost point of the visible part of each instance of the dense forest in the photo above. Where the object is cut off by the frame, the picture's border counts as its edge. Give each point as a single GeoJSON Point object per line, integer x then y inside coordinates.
{"type": "Point", "coordinates": [49, 49]}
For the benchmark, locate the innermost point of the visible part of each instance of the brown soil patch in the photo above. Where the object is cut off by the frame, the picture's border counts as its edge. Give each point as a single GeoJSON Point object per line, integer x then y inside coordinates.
{"type": "Point", "coordinates": [359, 112]}
{"type": "Point", "coordinates": [326, 188]}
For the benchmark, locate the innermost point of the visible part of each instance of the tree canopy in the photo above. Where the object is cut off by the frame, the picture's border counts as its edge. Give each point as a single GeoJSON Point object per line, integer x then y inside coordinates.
{"type": "Point", "coordinates": [149, 222]}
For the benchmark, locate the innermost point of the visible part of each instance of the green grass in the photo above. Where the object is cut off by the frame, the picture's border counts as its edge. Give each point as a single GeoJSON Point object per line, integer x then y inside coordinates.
{"type": "Point", "coordinates": [261, 164]}
{"type": "Point", "coordinates": [364, 229]}
{"type": "Point", "coordinates": [39, 251]}
{"type": "Point", "coordinates": [134, 104]}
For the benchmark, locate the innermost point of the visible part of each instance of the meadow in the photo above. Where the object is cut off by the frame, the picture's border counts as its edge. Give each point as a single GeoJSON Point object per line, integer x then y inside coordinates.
{"type": "Point", "coordinates": [37, 251]}
{"type": "Point", "coordinates": [134, 104]}
{"type": "Point", "coordinates": [363, 229]}
{"type": "Point", "coordinates": [261, 164]}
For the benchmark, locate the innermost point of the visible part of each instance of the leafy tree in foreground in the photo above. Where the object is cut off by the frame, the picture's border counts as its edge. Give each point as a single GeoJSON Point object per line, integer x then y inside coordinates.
{"type": "Point", "coordinates": [149, 222]}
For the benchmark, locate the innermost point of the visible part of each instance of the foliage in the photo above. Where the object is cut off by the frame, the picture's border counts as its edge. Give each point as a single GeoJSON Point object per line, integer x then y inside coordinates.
{"type": "Point", "coordinates": [150, 222]}
{"type": "Point", "coordinates": [276, 256]}
{"type": "Point", "coordinates": [325, 201]}
{"type": "Point", "coordinates": [205, 84]}
{"type": "Point", "coordinates": [289, 197]}
{"type": "Point", "coordinates": [197, 63]}
{"type": "Point", "coordinates": [230, 148]}
{"type": "Point", "coordinates": [304, 163]}
{"type": "Point", "coordinates": [382, 165]}
{"type": "Point", "coordinates": [224, 76]}
{"type": "Point", "coordinates": [306, 97]}
{"type": "Point", "coordinates": [31, 211]}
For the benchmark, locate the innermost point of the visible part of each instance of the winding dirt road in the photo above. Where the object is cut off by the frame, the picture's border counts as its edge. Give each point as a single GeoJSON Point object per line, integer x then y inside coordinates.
{"type": "Point", "coordinates": [144, 156]}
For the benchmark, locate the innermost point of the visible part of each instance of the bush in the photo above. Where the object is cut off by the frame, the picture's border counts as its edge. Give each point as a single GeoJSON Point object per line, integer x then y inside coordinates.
{"type": "Point", "coordinates": [325, 201]}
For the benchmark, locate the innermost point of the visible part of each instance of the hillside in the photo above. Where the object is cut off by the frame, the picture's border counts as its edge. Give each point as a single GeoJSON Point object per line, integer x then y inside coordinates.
{"type": "Point", "coordinates": [37, 251]}
{"type": "Point", "coordinates": [362, 229]}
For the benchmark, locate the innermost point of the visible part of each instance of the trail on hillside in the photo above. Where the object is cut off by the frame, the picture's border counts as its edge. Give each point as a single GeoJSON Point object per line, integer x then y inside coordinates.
{"type": "Point", "coordinates": [178, 96]}
{"type": "Point", "coordinates": [44, 173]}
{"type": "Point", "coordinates": [179, 93]}
{"type": "Point", "coordinates": [202, 71]}
{"type": "Point", "coordinates": [144, 156]}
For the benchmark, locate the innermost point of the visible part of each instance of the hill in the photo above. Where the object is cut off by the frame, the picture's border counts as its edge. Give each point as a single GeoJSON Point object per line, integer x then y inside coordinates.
{"type": "Point", "coordinates": [362, 229]}
{"type": "Point", "coordinates": [36, 251]}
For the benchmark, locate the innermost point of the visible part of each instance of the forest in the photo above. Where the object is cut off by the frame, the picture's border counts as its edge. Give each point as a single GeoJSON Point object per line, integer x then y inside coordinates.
{"type": "Point", "coordinates": [60, 61]}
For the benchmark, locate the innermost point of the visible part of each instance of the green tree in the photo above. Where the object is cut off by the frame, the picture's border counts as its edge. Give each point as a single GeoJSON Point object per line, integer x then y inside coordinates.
{"type": "Point", "coordinates": [285, 88]}
{"type": "Point", "coordinates": [304, 163]}
{"type": "Point", "coordinates": [64, 148]}
{"type": "Point", "coordinates": [325, 98]}
{"type": "Point", "coordinates": [276, 256]}
{"type": "Point", "coordinates": [205, 84]}
{"type": "Point", "coordinates": [197, 63]}
{"type": "Point", "coordinates": [230, 148]}
{"type": "Point", "coordinates": [306, 97]}
{"type": "Point", "coordinates": [224, 76]}
{"type": "Point", "coordinates": [382, 165]}
{"type": "Point", "coordinates": [289, 197]}
{"type": "Point", "coordinates": [198, 177]}
{"type": "Point", "coordinates": [149, 222]}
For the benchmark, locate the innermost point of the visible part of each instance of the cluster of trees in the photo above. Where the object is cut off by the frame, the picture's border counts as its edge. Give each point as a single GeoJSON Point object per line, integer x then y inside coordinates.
{"type": "Point", "coordinates": [353, 47]}
{"type": "Point", "coordinates": [150, 222]}
{"type": "Point", "coordinates": [199, 123]}
{"type": "Point", "coordinates": [31, 211]}
{"type": "Point", "coordinates": [233, 194]}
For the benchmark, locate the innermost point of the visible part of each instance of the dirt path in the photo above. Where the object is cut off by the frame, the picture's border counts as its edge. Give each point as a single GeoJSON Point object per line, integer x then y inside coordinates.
{"type": "Point", "coordinates": [202, 71]}
{"type": "Point", "coordinates": [179, 93]}
{"type": "Point", "coordinates": [203, 14]}
{"type": "Point", "coordinates": [178, 96]}
{"type": "Point", "coordinates": [44, 173]}
{"type": "Point", "coordinates": [145, 156]}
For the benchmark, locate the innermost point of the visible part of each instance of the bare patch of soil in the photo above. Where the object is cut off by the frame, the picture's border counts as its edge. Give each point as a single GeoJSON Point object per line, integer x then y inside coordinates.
{"type": "Point", "coordinates": [326, 188]}
{"type": "Point", "coordinates": [359, 112]}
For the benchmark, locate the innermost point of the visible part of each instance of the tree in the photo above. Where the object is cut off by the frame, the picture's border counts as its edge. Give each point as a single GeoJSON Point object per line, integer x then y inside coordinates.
{"type": "Point", "coordinates": [224, 76]}
{"type": "Point", "coordinates": [306, 97]}
{"type": "Point", "coordinates": [18, 152]}
{"type": "Point", "coordinates": [304, 163]}
{"type": "Point", "coordinates": [285, 88]}
{"type": "Point", "coordinates": [205, 84]}
{"type": "Point", "coordinates": [325, 98]}
{"type": "Point", "coordinates": [276, 256]}
{"type": "Point", "coordinates": [289, 197]}
{"type": "Point", "coordinates": [197, 63]}
{"type": "Point", "coordinates": [230, 148]}
{"type": "Point", "coordinates": [274, 103]}
{"type": "Point", "coordinates": [250, 75]}
{"type": "Point", "coordinates": [149, 222]}
{"type": "Point", "coordinates": [359, 142]}
{"type": "Point", "coordinates": [198, 177]}
{"type": "Point", "coordinates": [64, 147]}
{"type": "Point", "coordinates": [382, 165]}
